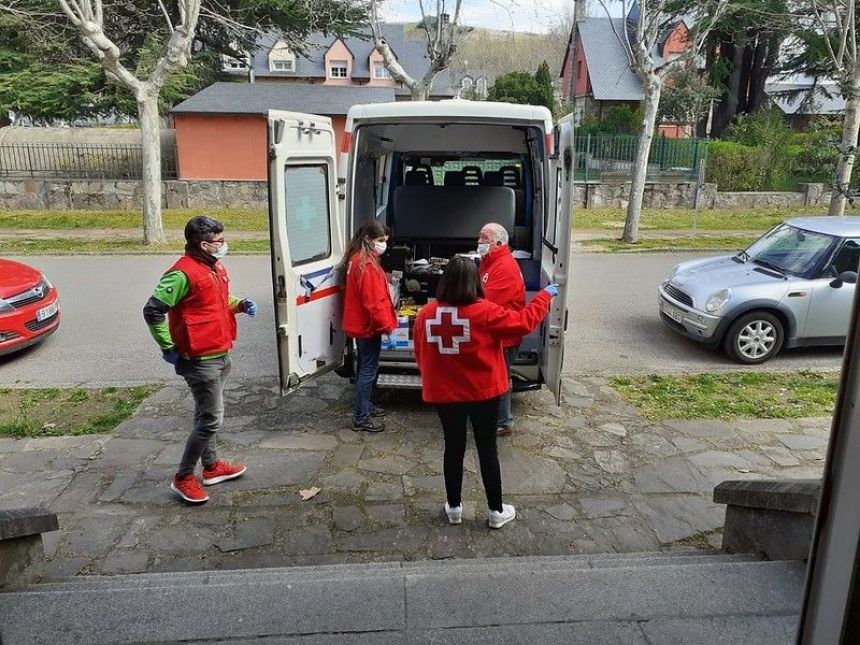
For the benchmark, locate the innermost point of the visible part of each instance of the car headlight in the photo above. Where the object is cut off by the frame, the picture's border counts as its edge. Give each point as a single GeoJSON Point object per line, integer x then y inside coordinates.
{"type": "Point", "coordinates": [5, 307]}
{"type": "Point", "coordinates": [717, 300]}
{"type": "Point", "coordinates": [47, 282]}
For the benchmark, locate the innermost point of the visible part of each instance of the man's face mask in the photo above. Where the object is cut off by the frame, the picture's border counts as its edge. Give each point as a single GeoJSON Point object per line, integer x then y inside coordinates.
{"type": "Point", "coordinates": [483, 248]}
{"type": "Point", "coordinates": [216, 249]}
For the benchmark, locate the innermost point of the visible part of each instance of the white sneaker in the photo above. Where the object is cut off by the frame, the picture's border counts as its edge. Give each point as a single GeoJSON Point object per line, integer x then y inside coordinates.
{"type": "Point", "coordinates": [498, 520]}
{"type": "Point", "coordinates": [455, 514]}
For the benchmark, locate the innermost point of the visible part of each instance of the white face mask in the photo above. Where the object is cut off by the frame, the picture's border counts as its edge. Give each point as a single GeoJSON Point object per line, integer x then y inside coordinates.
{"type": "Point", "coordinates": [219, 252]}
{"type": "Point", "coordinates": [380, 247]}
{"type": "Point", "coordinates": [483, 248]}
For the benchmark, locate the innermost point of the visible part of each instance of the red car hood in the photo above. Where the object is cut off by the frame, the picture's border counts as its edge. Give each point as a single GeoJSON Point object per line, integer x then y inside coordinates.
{"type": "Point", "coordinates": [16, 277]}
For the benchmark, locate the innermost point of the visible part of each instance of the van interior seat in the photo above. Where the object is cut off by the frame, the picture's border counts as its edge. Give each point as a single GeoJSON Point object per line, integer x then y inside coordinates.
{"type": "Point", "coordinates": [455, 178]}
{"type": "Point", "coordinates": [509, 176]}
{"type": "Point", "coordinates": [450, 212]}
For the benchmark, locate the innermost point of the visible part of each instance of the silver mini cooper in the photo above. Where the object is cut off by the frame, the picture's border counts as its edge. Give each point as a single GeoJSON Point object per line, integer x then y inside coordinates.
{"type": "Point", "coordinates": [793, 287]}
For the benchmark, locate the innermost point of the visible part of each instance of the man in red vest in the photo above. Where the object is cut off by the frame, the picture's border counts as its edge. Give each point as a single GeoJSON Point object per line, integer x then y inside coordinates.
{"type": "Point", "coordinates": [192, 317]}
{"type": "Point", "coordinates": [503, 284]}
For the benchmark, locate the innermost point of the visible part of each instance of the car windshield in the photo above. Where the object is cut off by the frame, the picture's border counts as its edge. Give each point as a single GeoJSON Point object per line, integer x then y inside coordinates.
{"type": "Point", "coordinates": [791, 250]}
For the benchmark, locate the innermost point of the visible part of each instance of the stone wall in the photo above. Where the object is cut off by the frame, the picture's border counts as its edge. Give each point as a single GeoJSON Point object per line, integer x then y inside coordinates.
{"type": "Point", "coordinates": [682, 194]}
{"type": "Point", "coordinates": [40, 194]}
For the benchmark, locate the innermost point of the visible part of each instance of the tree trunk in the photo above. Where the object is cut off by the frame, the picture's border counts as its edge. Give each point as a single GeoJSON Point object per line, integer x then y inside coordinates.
{"type": "Point", "coordinates": [420, 92]}
{"type": "Point", "coordinates": [763, 62]}
{"type": "Point", "coordinates": [850, 129]}
{"type": "Point", "coordinates": [640, 166]}
{"type": "Point", "coordinates": [744, 80]}
{"type": "Point", "coordinates": [728, 104]}
{"type": "Point", "coordinates": [147, 109]}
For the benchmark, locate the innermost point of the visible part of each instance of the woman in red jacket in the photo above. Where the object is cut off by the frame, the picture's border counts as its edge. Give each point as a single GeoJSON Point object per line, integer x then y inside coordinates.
{"type": "Point", "coordinates": [368, 313]}
{"type": "Point", "coordinates": [458, 345]}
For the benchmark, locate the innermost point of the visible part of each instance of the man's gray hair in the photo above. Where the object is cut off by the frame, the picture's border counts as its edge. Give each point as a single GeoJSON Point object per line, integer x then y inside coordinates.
{"type": "Point", "coordinates": [500, 233]}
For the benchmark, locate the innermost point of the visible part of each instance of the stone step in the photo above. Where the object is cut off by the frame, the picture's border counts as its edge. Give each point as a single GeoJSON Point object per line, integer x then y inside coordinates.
{"type": "Point", "coordinates": [382, 603]}
{"type": "Point", "coordinates": [429, 567]}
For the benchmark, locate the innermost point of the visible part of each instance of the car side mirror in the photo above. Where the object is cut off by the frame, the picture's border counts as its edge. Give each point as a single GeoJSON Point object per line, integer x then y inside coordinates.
{"type": "Point", "coordinates": [846, 277]}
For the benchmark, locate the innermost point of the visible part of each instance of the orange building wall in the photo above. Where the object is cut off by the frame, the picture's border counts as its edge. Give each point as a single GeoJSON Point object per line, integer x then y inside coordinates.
{"type": "Point", "coordinates": [227, 146]}
{"type": "Point", "coordinates": [677, 42]}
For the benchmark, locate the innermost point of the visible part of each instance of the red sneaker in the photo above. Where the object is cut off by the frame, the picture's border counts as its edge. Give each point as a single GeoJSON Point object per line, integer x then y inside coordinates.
{"type": "Point", "coordinates": [189, 489]}
{"type": "Point", "coordinates": [222, 471]}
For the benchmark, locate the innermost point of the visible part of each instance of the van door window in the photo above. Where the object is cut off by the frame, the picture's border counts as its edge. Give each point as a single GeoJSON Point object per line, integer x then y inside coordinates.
{"type": "Point", "coordinates": [308, 225]}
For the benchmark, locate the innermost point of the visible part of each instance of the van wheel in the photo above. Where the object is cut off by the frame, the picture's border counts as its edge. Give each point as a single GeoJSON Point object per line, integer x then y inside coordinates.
{"type": "Point", "coordinates": [754, 338]}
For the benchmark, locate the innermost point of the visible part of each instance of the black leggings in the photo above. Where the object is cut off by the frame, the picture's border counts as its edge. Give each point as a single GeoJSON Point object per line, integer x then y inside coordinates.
{"type": "Point", "coordinates": [484, 416]}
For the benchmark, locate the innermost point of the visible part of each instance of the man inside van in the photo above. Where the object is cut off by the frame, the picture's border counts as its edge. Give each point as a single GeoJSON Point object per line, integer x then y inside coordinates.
{"type": "Point", "coordinates": [503, 284]}
{"type": "Point", "coordinates": [192, 317]}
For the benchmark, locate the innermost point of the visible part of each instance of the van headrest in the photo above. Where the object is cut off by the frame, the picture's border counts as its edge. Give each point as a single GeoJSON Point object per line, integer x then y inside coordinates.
{"type": "Point", "coordinates": [427, 170]}
{"type": "Point", "coordinates": [472, 175]}
{"type": "Point", "coordinates": [415, 178]}
{"type": "Point", "coordinates": [511, 175]}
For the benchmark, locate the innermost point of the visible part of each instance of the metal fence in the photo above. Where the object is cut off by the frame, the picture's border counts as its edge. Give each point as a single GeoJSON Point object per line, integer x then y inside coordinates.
{"type": "Point", "coordinates": [601, 157]}
{"type": "Point", "coordinates": [79, 161]}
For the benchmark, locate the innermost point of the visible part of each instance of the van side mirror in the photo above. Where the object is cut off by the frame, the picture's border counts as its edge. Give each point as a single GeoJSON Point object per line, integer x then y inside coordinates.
{"type": "Point", "coordinates": [846, 277]}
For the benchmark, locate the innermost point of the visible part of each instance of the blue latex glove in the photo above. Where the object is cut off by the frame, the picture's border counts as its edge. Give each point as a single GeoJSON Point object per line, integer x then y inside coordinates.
{"type": "Point", "coordinates": [551, 289]}
{"type": "Point", "coordinates": [170, 355]}
{"type": "Point", "coordinates": [249, 307]}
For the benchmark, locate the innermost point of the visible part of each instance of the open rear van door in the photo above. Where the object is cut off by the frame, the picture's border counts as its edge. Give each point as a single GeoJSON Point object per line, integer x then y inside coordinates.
{"type": "Point", "coordinates": [555, 253]}
{"type": "Point", "coordinates": [307, 245]}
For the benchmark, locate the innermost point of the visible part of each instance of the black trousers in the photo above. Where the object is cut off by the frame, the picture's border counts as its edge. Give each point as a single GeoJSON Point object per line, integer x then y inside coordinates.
{"type": "Point", "coordinates": [484, 416]}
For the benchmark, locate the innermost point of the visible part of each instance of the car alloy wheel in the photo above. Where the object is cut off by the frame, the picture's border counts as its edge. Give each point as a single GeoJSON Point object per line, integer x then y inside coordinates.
{"type": "Point", "coordinates": [754, 338]}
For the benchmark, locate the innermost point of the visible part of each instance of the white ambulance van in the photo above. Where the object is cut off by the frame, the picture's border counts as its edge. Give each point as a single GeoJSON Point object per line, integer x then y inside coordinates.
{"type": "Point", "coordinates": [435, 173]}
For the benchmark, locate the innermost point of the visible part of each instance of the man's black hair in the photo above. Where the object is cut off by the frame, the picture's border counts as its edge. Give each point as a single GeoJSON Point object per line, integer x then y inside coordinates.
{"type": "Point", "coordinates": [201, 228]}
{"type": "Point", "coordinates": [460, 284]}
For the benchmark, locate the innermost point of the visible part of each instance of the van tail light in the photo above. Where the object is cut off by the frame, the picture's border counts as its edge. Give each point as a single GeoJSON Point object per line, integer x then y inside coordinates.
{"type": "Point", "coordinates": [550, 144]}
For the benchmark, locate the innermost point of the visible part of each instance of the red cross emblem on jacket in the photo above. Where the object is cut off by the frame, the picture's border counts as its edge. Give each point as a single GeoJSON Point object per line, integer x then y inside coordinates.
{"type": "Point", "coordinates": [447, 330]}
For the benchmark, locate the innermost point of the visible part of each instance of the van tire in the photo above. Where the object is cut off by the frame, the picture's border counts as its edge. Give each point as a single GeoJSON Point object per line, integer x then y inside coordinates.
{"type": "Point", "coordinates": [754, 338]}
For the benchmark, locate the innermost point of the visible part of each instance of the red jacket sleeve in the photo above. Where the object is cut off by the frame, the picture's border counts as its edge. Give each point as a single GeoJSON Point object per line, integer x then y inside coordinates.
{"type": "Point", "coordinates": [506, 289]}
{"type": "Point", "coordinates": [505, 323]}
{"type": "Point", "coordinates": [377, 300]}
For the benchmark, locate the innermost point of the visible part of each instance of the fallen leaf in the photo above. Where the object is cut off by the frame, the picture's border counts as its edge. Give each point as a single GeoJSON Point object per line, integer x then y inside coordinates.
{"type": "Point", "coordinates": [307, 493]}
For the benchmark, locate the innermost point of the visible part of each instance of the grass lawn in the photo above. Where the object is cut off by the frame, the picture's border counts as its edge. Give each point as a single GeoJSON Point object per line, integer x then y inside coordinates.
{"type": "Point", "coordinates": [52, 412]}
{"type": "Point", "coordinates": [234, 219]}
{"type": "Point", "coordinates": [731, 395]}
{"type": "Point", "coordinates": [612, 219]}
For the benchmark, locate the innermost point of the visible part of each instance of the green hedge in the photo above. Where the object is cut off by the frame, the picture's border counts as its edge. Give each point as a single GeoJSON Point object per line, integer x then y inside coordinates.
{"type": "Point", "coordinates": [734, 166]}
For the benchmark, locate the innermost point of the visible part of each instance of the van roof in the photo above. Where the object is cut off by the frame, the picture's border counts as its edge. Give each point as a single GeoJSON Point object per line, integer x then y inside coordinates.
{"type": "Point", "coordinates": [449, 110]}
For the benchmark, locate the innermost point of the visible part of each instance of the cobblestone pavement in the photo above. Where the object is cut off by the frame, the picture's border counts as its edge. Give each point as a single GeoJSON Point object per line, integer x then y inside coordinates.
{"type": "Point", "coordinates": [590, 476]}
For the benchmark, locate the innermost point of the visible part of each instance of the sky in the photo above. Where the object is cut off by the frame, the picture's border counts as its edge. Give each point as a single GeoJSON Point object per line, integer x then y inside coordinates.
{"type": "Point", "coordinates": [509, 15]}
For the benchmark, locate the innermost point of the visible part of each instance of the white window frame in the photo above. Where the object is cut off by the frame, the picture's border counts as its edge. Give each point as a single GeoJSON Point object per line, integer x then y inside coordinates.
{"type": "Point", "coordinates": [282, 65]}
{"type": "Point", "coordinates": [338, 65]}
{"type": "Point", "coordinates": [380, 71]}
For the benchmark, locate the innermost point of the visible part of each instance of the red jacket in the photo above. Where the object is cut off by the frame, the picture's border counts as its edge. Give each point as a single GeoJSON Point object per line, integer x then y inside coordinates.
{"type": "Point", "coordinates": [503, 283]}
{"type": "Point", "coordinates": [459, 349]}
{"type": "Point", "coordinates": [201, 324]}
{"type": "Point", "coordinates": [367, 308]}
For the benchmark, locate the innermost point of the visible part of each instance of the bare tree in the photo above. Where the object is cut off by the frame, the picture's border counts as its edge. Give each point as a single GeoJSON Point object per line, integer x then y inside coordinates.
{"type": "Point", "coordinates": [836, 22]}
{"type": "Point", "coordinates": [442, 32]}
{"type": "Point", "coordinates": [640, 36]}
{"type": "Point", "coordinates": [88, 17]}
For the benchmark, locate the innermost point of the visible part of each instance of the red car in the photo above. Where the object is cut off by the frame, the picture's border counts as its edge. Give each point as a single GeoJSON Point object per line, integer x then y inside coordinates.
{"type": "Point", "coordinates": [29, 306]}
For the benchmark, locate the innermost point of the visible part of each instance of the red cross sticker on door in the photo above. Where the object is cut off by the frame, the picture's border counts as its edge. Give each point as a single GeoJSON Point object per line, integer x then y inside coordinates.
{"type": "Point", "coordinates": [447, 330]}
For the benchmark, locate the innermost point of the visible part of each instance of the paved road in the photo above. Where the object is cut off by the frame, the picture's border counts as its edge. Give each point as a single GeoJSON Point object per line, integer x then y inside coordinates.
{"type": "Point", "coordinates": [102, 339]}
